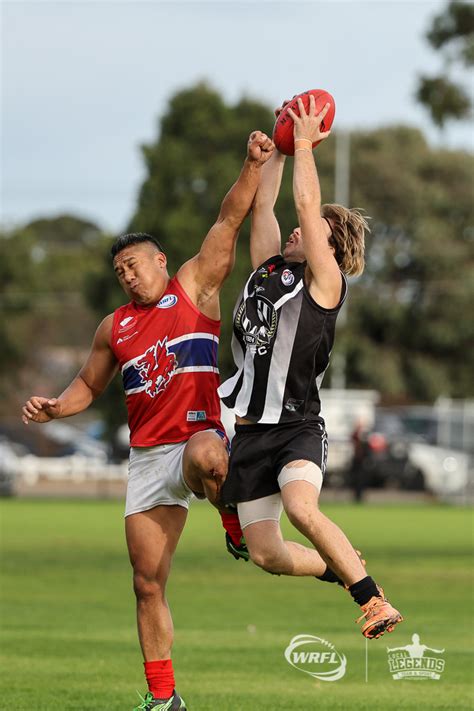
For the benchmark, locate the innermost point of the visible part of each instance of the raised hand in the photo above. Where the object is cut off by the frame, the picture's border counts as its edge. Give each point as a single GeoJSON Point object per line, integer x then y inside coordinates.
{"type": "Point", "coordinates": [308, 125]}
{"type": "Point", "coordinates": [259, 147]}
{"type": "Point", "coordinates": [40, 409]}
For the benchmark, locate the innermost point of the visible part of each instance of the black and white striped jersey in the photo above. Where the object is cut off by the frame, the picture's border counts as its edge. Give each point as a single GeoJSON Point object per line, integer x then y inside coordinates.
{"type": "Point", "coordinates": [281, 343]}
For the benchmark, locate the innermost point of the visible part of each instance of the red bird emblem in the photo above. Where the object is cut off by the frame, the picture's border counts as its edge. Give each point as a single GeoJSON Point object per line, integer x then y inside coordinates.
{"type": "Point", "coordinates": [156, 367]}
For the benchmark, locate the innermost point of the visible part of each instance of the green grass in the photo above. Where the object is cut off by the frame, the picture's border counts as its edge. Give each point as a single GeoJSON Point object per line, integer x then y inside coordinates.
{"type": "Point", "coordinates": [68, 621]}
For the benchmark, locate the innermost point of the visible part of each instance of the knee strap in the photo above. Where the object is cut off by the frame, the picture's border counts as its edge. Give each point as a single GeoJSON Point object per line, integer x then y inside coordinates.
{"type": "Point", "coordinates": [268, 508]}
{"type": "Point", "coordinates": [309, 472]}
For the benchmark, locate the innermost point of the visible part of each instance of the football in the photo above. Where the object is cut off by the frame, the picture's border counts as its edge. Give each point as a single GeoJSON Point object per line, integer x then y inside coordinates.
{"type": "Point", "coordinates": [283, 129]}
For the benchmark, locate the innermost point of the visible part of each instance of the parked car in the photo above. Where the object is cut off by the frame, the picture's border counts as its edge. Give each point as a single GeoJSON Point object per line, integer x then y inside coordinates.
{"type": "Point", "coordinates": [383, 457]}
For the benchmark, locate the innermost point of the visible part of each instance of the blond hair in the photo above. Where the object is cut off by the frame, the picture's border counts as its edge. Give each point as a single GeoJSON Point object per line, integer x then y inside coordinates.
{"type": "Point", "coordinates": [347, 239]}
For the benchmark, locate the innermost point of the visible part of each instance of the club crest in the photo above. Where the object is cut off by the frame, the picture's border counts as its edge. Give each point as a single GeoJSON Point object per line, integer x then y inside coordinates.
{"type": "Point", "coordinates": [287, 277]}
{"type": "Point", "coordinates": [156, 367]}
{"type": "Point", "coordinates": [258, 325]}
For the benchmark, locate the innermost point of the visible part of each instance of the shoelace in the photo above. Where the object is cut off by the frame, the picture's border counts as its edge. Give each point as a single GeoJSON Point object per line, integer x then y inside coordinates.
{"type": "Point", "coordinates": [373, 603]}
{"type": "Point", "coordinates": [144, 702]}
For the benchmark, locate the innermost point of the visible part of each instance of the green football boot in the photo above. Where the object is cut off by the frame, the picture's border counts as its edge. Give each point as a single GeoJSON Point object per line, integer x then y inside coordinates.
{"type": "Point", "coordinates": [240, 551]}
{"type": "Point", "coordinates": [149, 703]}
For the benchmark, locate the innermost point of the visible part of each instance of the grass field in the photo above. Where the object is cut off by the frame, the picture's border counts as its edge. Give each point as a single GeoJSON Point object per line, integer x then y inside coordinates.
{"type": "Point", "coordinates": [68, 624]}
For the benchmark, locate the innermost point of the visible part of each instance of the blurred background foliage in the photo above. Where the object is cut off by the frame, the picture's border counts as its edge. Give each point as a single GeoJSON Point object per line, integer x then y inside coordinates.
{"type": "Point", "coordinates": [451, 34]}
{"type": "Point", "coordinates": [408, 330]}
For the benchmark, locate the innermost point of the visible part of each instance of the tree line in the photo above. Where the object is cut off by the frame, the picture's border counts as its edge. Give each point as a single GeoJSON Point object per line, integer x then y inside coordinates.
{"type": "Point", "coordinates": [408, 331]}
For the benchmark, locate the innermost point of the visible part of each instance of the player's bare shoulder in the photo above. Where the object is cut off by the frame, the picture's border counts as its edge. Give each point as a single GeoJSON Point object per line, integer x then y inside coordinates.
{"type": "Point", "coordinates": [201, 291]}
{"type": "Point", "coordinates": [103, 334]}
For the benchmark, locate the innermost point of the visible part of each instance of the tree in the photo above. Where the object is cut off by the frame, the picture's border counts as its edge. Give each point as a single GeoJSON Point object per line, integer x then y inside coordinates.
{"type": "Point", "coordinates": [406, 334]}
{"type": "Point", "coordinates": [42, 274]}
{"type": "Point", "coordinates": [452, 32]}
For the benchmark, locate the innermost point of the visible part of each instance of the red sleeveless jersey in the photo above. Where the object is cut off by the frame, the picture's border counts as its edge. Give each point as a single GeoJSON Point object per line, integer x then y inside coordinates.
{"type": "Point", "coordinates": [168, 359]}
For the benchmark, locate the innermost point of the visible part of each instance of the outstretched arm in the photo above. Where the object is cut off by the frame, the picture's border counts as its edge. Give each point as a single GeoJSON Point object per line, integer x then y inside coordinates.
{"type": "Point", "coordinates": [324, 277]}
{"type": "Point", "coordinates": [265, 237]}
{"type": "Point", "coordinates": [203, 276]}
{"type": "Point", "coordinates": [97, 372]}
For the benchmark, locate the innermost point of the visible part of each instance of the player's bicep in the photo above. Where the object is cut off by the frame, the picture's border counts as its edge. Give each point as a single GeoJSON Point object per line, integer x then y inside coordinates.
{"type": "Point", "coordinates": [265, 237]}
{"type": "Point", "coordinates": [325, 273]}
{"type": "Point", "coordinates": [317, 250]}
{"type": "Point", "coordinates": [216, 258]}
{"type": "Point", "coordinates": [101, 364]}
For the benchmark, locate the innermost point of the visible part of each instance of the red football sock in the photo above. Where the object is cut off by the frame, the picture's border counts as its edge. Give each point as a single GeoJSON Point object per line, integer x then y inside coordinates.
{"type": "Point", "coordinates": [160, 678]}
{"type": "Point", "coordinates": [231, 523]}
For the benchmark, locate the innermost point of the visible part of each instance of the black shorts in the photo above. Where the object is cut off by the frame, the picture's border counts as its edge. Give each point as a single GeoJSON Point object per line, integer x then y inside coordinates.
{"type": "Point", "coordinates": [259, 453]}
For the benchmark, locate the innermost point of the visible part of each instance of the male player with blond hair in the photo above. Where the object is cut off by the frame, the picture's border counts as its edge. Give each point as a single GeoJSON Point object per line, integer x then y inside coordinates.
{"type": "Point", "coordinates": [284, 326]}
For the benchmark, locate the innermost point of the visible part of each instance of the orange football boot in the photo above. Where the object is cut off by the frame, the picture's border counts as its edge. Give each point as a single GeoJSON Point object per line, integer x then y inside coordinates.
{"type": "Point", "coordinates": [379, 616]}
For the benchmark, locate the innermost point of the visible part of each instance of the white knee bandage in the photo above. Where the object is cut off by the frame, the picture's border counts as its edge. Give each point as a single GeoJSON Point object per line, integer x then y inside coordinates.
{"type": "Point", "coordinates": [268, 508]}
{"type": "Point", "coordinates": [309, 472]}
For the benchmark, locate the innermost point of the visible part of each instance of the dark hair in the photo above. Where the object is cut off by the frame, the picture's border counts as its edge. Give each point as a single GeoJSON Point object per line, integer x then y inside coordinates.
{"type": "Point", "coordinates": [133, 238]}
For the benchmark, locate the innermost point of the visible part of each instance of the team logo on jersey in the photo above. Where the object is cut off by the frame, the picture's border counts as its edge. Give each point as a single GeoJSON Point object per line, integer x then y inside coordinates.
{"type": "Point", "coordinates": [266, 271]}
{"type": "Point", "coordinates": [257, 290]}
{"type": "Point", "coordinates": [156, 367]}
{"type": "Point", "coordinates": [127, 323]}
{"type": "Point", "coordinates": [122, 339]}
{"type": "Point", "coordinates": [287, 277]}
{"type": "Point", "coordinates": [167, 301]}
{"type": "Point", "coordinates": [292, 405]}
{"type": "Point", "coordinates": [257, 329]}
{"type": "Point", "coordinates": [196, 415]}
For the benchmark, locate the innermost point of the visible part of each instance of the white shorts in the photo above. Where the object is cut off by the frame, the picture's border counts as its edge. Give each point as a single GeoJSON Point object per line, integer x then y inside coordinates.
{"type": "Point", "coordinates": [155, 478]}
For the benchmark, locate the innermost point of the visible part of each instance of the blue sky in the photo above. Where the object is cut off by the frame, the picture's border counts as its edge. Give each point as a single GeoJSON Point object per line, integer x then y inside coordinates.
{"type": "Point", "coordinates": [83, 83]}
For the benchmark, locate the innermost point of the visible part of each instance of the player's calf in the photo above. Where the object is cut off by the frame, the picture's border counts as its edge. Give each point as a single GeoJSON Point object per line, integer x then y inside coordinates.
{"type": "Point", "coordinates": [329, 576]}
{"type": "Point", "coordinates": [269, 554]}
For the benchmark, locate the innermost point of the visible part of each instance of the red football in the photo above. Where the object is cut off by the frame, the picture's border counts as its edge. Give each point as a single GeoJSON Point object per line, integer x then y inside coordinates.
{"type": "Point", "coordinates": [283, 130]}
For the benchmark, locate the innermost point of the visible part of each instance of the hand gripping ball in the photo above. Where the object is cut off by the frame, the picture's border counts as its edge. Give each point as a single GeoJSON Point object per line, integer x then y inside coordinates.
{"type": "Point", "coordinates": [283, 130]}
